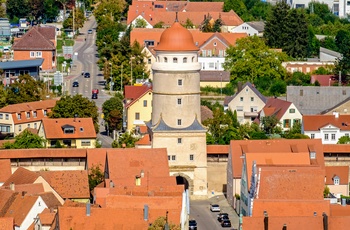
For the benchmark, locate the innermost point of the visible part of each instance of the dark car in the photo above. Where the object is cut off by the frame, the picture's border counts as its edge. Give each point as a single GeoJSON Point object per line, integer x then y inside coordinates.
{"type": "Point", "coordinates": [75, 84]}
{"type": "Point", "coordinates": [87, 75]}
{"type": "Point", "coordinates": [221, 216]}
{"type": "Point", "coordinates": [94, 96]}
{"type": "Point", "coordinates": [192, 225]}
{"type": "Point", "coordinates": [226, 223]}
{"type": "Point", "coordinates": [89, 31]}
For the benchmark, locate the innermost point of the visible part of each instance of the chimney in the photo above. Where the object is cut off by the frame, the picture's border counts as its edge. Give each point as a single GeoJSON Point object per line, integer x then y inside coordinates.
{"type": "Point", "coordinates": [336, 114]}
{"type": "Point", "coordinates": [266, 220]}
{"type": "Point", "coordinates": [12, 186]}
{"type": "Point", "coordinates": [23, 193]}
{"type": "Point", "coordinates": [284, 227]}
{"type": "Point", "coordinates": [142, 173]}
{"type": "Point", "coordinates": [325, 221]}
{"type": "Point", "coordinates": [137, 180]}
{"type": "Point", "coordinates": [145, 212]}
{"type": "Point", "coordinates": [88, 209]}
{"type": "Point", "coordinates": [111, 184]}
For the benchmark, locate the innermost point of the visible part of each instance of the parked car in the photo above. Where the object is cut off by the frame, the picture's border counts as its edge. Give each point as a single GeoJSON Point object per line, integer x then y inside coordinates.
{"type": "Point", "coordinates": [221, 215]}
{"type": "Point", "coordinates": [226, 223]}
{"type": "Point", "coordinates": [192, 225]}
{"type": "Point", "coordinates": [94, 96]}
{"type": "Point", "coordinates": [224, 218]}
{"type": "Point", "coordinates": [75, 84]}
{"type": "Point", "coordinates": [89, 31]}
{"type": "Point", "coordinates": [87, 75]}
{"type": "Point", "coordinates": [214, 208]}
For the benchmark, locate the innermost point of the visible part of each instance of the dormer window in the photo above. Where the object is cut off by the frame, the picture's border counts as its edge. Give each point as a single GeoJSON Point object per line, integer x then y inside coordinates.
{"type": "Point", "coordinates": [312, 155]}
{"type": "Point", "coordinates": [336, 180]}
{"type": "Point", "coordinates": [45, 113]}
{"type": "Point", "coordinates": [28, 114]}
{"type": "Point", "coordinates": [34, 114]}
{"type": "Point", "coordinates": [67, 129]}
{"type": "Point", "coordinates": [19, 116]}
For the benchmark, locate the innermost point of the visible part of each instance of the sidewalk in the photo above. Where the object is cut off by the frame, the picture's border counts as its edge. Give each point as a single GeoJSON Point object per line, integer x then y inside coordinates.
{"type": "Point", "coordinates": [221, 200]}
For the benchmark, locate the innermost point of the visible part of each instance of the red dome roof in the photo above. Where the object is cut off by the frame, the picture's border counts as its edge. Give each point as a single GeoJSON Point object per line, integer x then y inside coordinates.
{"type": "Point", "coordinates": [176, 38]}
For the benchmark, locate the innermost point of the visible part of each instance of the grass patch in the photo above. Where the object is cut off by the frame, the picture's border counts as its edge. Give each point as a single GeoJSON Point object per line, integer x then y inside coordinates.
{"type": "Point", "coordinates": [61, 42]}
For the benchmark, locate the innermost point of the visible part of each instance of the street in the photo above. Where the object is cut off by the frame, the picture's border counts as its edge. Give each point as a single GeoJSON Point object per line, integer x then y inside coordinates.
{"type": "Point", "coordinates": [86, 60]}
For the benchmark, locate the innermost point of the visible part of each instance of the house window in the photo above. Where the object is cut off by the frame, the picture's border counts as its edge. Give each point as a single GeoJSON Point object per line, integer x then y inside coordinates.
{"type": "Point", "coordinates": [38, 54]}
{"type": "Point", "coordinates": [81, 129]}
{"type": "Point", "coordinates": [336, 180]}
{"type": "Point", "coordinates": [333, 136]}
{"type": "Point", "coordinates": [312, 155]}
{"type": "Point", "coordinates": [179, 101]}
{"type": "Point", "coordinates": [175, 60]}
{"type": "Point", "coordinates": [19, 128]}
{"type": "Point", "coordinates": [178, 121]}
{"type": "Point", "coordinates": [173, 157]}
{"type": "Point", "coordinates": [179, 81]}
{"type": "Point", "coordinates": [34, 114]}
{"type": "Point", "coordinates": [169, 157]}
{"type": "Point", "coordinates": [85, 143]}
{"type": "Point", "coordinates": [144, 103]}
{"type": "Point", "coordinates": [185, 60]}
{"type": "Point", "coordinates": [35, 125]}
{"type": "Point", "coordinates": [312, 136]}
{"type": "Point", "coordinates": [296, 121]}
{"type": "Point", "coordinates": [149, 61]}
{"type": "Point", "coordinates": [68, 130]}
{"type": "Point", "coordinates": [253, 109]}
{"type": "Point", "coordinates": [326, 137]}
{"type": "Point", "coordinates": [221, 53]}
{"type": "Point", "coordinates": [137, 116]}
{"type": "Point", "coordinates": [291, 110]}
{"type": "Point", "coordinates": [19, 116]}
{"type": "Point", "coordinates": [346, 134]}
{"type": "Point", "coordinates": [252, 99]}
{"type": "Point", "coordinates": [241, 98]}
{"type": "Point", "coordinates": [215, 44]}
{"type": "Point", "coordinates": [179, 140]}
{"type": "Point", "coordinates": [239, 108]}
{"type": "Point", "coordinates": [1, 116]}
{"type": "Point", "coordinates": [6, 116]}
{"type": "Point", "coordinates": [204, 53]}
{"type": "Point", "coordinates": [32, 54]}
{"type": "Point", "coordinates": [28, 114]}
{"type": "Point", "coordinates": [191, 157]}
{"type": "Point", "coordinates": [28, 125]}
{"type": "Point", "coordinates": [209, 53]}
{"type": "Point", "coordinates": [286, 123]}
{"type": "Point", "coordinates": [45, 113]}
{"type": "Point", "coordinates": [165, 60]}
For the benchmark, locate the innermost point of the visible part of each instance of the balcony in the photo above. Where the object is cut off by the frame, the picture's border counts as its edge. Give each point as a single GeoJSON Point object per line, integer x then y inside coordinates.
{"type": "Point", "coordinates": [250, 114]}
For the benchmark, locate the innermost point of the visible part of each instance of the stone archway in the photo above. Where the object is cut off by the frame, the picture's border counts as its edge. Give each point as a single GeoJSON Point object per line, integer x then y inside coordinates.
{"type": "Point", "coordinates": [182, 178]}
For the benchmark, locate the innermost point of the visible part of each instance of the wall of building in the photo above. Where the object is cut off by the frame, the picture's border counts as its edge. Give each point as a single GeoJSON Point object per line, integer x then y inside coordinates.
{"type": "Point", "coordinates": [217, 177]}
{"type": "Point", "coordinates": [138, 107]}
{"type": "Point", "coordinates": [37, 208]}
{"type": "Point", "coordinates": [46, 55]}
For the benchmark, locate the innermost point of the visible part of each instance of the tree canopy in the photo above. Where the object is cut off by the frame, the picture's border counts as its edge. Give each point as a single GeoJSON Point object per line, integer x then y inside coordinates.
{"type": "Point", "coordinates": [26, 140]}
{"type": "Point", "coordinates": [75, 106]}
{"type": "Point", "coordinates": [113, 112]}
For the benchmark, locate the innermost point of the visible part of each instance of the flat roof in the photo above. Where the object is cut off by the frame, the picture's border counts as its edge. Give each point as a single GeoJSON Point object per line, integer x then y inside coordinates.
{"type": "Point", "coordinates": [21, 64]}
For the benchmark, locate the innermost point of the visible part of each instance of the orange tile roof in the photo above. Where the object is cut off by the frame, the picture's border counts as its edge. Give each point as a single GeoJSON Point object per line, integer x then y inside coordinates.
{"type": "Point", "coordinates": [339, 222]}
{"type": "Point", "coordinates": [50, 200]}
{"type": "Point", "coordinates": [7, 196]}
{"type": "Point", "coordinates": [96, 157]}
{"type": "Point", "coordinates": [239, 147]}
{"type": "Point", "coordinates": [290, 183]}
{"type": "Point", "coordinates": [218, 149]}
{"type": "Point", "coordinates": [42, 153]}
{"type": "Point", "coordinates": [20, 207]}
{"type": "Point", "coordinates": [46, 217]}
{"type": "Point", "coordinates": [340, 210]}
{"type": "Point", "coordinates": [127, 163]}
{"type": "Point", "coordinates": [336, 148]}
{"type": "Point", "coordinates": [29, 106]}
{"type": "Point", "coordinates": [21, 176]}
{"type": "Point", "coordinates": [276, 107]}
{"type": "Point", "coordinates": [145, 140]}
{"type": "Point", "coordinates": [5, 169]}
{"type": "Point", "coordinates": [341, 171]}
{"type": "Point", "coordinates": [6, 223]}
{"type": "Point", "coordinates": [315, 122]}
{"type": "Point", "coordinates": [83, 128]}
{"type": "Point", "coordinates": [34, 40]}
{"type": "Point", "coordinates": [68, 183]}
{"type": "Point", "coordinates": [30, 189]}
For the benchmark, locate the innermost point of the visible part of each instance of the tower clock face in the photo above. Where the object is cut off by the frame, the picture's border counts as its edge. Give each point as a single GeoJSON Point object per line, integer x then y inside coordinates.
{"type": "Point", "coordinates": [193, 146]}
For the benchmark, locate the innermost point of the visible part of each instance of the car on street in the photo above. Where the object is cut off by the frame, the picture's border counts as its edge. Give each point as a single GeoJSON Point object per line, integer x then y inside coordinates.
{"type": "Point", "coordinates": [221, 216]}
{"type": "Point", "coordinates": [192, 225]}
{"type": "Point", "coordinates": [214, 208]}
{"type": "Point", "coordinates": [224, 218]}
{"type": "Point", "coordinates": [75, 84]}
{"type": "Point", "coordinates": [89, 31]}
{"type": "Point", "coordinates": [87, 75]}
{"type": "Point", "coordinates": [94, 96]}
{"type": "Point", "coordinates": [226, 223]}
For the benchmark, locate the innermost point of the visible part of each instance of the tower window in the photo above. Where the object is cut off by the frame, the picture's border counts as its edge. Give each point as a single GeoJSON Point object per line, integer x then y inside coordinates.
{"type": "Point", "coordinates": [179, 101]}
{"type": "Point", "coordinates": [165, 60]}
{"type": "Point", "coordinates": [191, 157]}
{"type": "Point", "coordinates": [179, 121]}
{"type": "Point", "coordinates": [179, 140]}
{"type": "Point", "coordinates": [185, 60]}
{"type": "Point", "coordinates": [179, 81]}
{"type": "Point", "coordinates": [175, 60]}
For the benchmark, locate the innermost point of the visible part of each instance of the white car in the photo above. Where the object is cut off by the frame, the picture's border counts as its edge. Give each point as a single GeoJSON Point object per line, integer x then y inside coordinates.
{"type": "Point", "coordinates": [214, 208]}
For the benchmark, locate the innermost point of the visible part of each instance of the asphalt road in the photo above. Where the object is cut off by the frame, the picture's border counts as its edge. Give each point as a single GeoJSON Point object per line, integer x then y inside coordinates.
{"type": "Point", "coordinates": [86, 61]}
{"type": "Point", "coordinates": [207, 220]}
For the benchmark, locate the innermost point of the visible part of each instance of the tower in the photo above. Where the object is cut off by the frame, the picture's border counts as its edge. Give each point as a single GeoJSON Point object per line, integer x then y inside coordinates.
{"type": "Point", "coordinates": [176, 123]}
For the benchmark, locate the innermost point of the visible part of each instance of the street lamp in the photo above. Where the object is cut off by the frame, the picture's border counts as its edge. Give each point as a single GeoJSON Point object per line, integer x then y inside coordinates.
{"type": "Point", "coordinates": [132, 58]}
{"type": "Point", "coordinates": [121, 80]}
{"type": "Point", "coordinates": [110, 82]}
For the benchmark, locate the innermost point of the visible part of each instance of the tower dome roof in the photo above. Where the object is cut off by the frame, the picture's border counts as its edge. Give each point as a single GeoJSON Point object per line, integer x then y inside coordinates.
{"type": "Point", "coordinates": [176, 38]}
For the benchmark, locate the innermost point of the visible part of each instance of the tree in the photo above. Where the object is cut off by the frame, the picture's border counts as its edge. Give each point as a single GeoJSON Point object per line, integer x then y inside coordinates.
{"type": "Point", "coordinates": [50, 10]}
{"type": "Point", "coordinates": [79, 19]}
{"type": "Point", "coordinates": [140, 23]}
{"type": "Point", "coordinates": [159, 224]}
{"type": "Point", "coordinates": [236, 5]}
{"type": "Point", "coordinates": [217, 24]}
{"type": "Point", "coordinates": [26, 140]}
{"type": "Point", "coordinates": [344, 140]}
{"type": "Point", "coordinates": [278, 87]}
{"type": "Point", "coordinates": [36, 8]}
{"type": "Point", "coordinates": [269, 123]}
{"type": "Point", "coordinates": [276, 24]}
{"type": "Point", "coordinates": [127, 140]}
{"type": "Point", "coordinates": [188, 24]}
{"type": "Point", "coordinates": [206, 24]}
{"type": "Point", "coordinates": [17, 8]}
{"type": "Point", "coordinates": [342, 41]}
{"type": "Point", "coordinates": [328, 43]}
{"type": "Point", "coordinates": [75, 106]}
{"type": "Point", "coordinates": [159, 25]}
{"type": "Point", "coordinates": [251, 60]}
{"type": "Point", "coordinates": [95, 176]}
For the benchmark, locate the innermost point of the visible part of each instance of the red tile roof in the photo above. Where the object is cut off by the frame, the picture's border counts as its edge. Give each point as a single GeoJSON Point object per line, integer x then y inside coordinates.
{"type": "Point", "coordinates": [30, 189]}
{"type": "Point", "coordinates": [145, 140]}
{"type": "Point", "coordinates": [68, 184]}
{"type": "Point", "coordinates": [21, 176]}
{"type": "Point", "coordinates": [206, 113]}
{"type": "Point", "coordinates": [336, 148]}
{"type": "Point", "coordinates": [5, 169]}
{"type": "Point", "coordinates": [341, 171]}
{"type": "Point", "coordinates": [7, 197]}
{"type": "Point", "coordinates": [96, 157]}
{"type": "Point", "coordinates": [218, 149]}
{"type": "Point", "coordinates": [48, 32]}
{"type": "Point", "coordinates": [34, 40]}
{"type": "Point", "coordinates": [340, 210]}
{"type": "Point", "coordinates": [132, 93]}
{"type": "Point", "coordinates": [46, 217]}
{"type": "Point", "coordinates": [6, 223]}
{"type": "Point", "coordinates": [281, 146]}
{"type": "Point", "coordinates": [324, 80]}
{"type": "Point", "coordinates": [83, 128]}
{"type": "Point", "coordinates": [276, 107]}
{"type": "Point", "coordinates": [29, 106]}
{"type": "Point", "coordinates": [42, 153]}
{"type": "Point", "coordinates": [50, 200]}
{"type": "Point", "coordinates": [315, 122]}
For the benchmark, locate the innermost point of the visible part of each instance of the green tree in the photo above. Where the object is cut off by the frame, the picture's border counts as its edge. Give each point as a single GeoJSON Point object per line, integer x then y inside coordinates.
{"type": "Point", "coordinates": [298, 78]}
{"type": "Point", "coordinates": [342, 41]}
{"type": "Point", "coordinates": [206, 26]}
{"type": "Point", "coordinates": [278, 87]}
{"type": "Point", "coordinates": [344, 140]}
{"type": "Point", "coordinates": [269, 124]}
{"type": "Point", "coordinates": [324, 70]}
{"type": "Point", "coordinates": [237, 6]}
{"type": "Point", "coordinates": [140, 23]}
{"type": "Point", "coordinates": [26, 140]}
{"type": "Point", "coordinates": [113, 103]}
{"type": "Point", "coordinates": [159, 25]}
{"type": "Point", "coordinates": [95, 176]}
{"type": "Point", "coordinates": [217, 25]}
{"type": "Point", "coordinates": [127, 140]}
{"type": "Point", "coordinates": [50, 9]}
{"type": "Point", "coordinates": [329, 43]}
{"type": "Point", "coordinates": [276, 26]}
{"type": "Point", "coordinates": [188, 24]}
{"type": "Point", "coordinates": [17, 8]}
{"type": "Point", "coordinates": [159, 224]}
{"type": "Point", "coordinates": [79, 19]}
{"type": "Point", "coordinates": [77, 105]}
{"type": "Point", "coordinates": [251, 60]}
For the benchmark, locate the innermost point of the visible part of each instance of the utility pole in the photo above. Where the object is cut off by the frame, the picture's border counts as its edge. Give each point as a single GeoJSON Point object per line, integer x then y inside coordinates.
{"type": "Point", "coordinates": [121, 80]}
{"type": "Point", "coordinates": [110, 83]}
{"type": "Point", "coordinates": [73, 22]}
